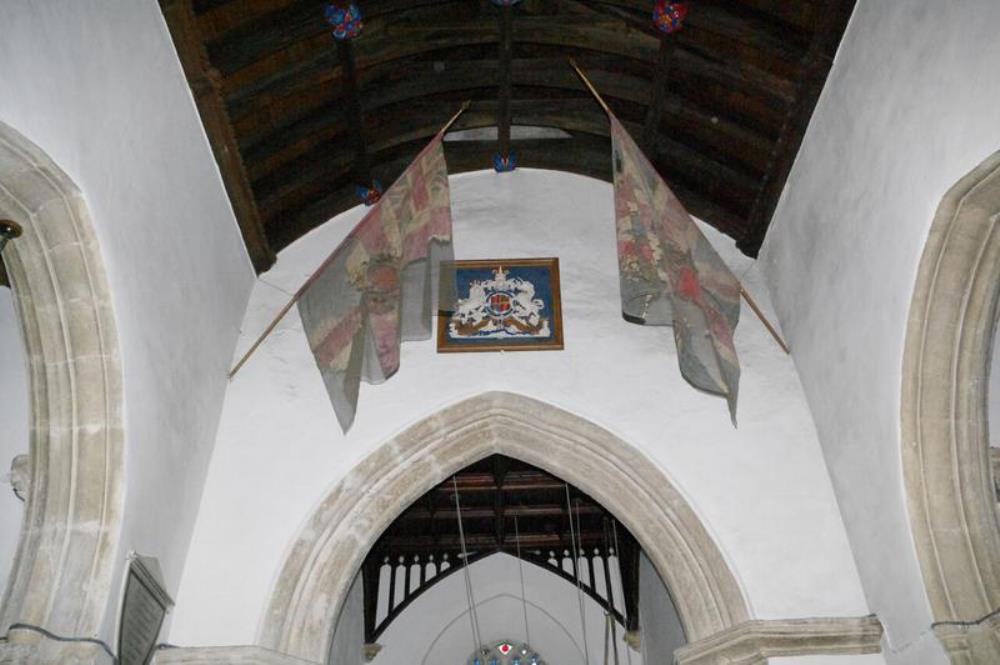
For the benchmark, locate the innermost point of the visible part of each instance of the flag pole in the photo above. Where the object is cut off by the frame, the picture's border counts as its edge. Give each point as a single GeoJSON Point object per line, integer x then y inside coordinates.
{"type": "Point", "coordinates": [763, 319]}
{"type": "Point", "coordinates": [590, 86]}
{"type": "Point", "coordinates": [746, 295]}
{"type": "Point", "coordinates": [460, 111]}
{"type": "Point", "coordinates": [312, 278]}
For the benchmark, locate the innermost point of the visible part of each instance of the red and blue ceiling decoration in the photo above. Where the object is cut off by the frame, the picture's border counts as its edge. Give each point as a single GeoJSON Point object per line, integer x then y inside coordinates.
{"type": "Point", "coordinates": [668, 17]}
{"type": "Point", "coordinates": [345, 17]}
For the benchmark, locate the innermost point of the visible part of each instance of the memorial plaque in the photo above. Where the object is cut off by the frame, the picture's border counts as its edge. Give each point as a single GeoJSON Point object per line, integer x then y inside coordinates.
{"type": "Point", "coordinates": [144, 607]}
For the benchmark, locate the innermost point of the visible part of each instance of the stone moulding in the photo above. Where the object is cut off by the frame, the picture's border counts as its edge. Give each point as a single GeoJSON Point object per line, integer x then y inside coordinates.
{"type": "Point", "coordinates": [61, 577]}
{"type": "Point", "coordinates": [753, 642]}
{"type": "Point", "coordinates": [945, 442]}
{"type": "Point", "coordinates": [318, 569]}
{"type": "Point", "coordinates": [235, 655]}
{"type": "Point", "coordinates": [747, 643]}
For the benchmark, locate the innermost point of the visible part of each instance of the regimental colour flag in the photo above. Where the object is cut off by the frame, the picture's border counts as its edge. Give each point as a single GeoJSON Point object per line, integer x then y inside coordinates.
{"type": "Point", "coordinates": [670, 274]}
{"type": "Point", "coordinates": [376, 289]}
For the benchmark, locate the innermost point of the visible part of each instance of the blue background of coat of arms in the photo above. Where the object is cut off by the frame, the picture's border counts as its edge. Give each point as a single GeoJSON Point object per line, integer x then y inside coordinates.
{"type": "Point", "coordinates": [504, 305]}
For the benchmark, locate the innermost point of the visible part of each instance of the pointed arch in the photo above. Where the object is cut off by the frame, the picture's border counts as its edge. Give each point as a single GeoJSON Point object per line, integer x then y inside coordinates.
{"type": "Point", "coordinates": [945, 444]}
{"type": "Point", "coordinates": [317, 572]}
{"type": "Point", "coordinates": [61, 577]}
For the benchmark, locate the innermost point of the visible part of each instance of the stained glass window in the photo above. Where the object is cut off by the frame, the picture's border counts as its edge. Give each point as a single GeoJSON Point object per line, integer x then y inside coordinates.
{"type": "Point", "coordinates": [505, 652]}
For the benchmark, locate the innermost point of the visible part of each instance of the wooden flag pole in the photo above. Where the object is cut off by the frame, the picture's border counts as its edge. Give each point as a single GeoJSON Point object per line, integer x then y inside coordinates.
{"type": "Point", "coordinates": [460, 111]}
{"type": "Point", "coordinates": [302, 289]}
{"type": "Point", "coordinates": [743, 291]}
{"type": "Point", "coordinates": [763, 319]}
{"type": "Point", "coordinates": [590, 86]}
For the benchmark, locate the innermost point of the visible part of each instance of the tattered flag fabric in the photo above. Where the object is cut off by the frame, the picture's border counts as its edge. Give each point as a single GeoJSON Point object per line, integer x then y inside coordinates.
{"type": "Point", "coordinates": [671, 275]}
{"type": "Point", "coordinates": [375, 290]}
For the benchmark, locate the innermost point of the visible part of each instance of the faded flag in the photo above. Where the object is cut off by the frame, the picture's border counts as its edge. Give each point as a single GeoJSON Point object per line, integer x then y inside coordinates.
{"type": "Point", "coordinates": [375, 290]}
{"type": "Point", "coordinates": [671, 275]}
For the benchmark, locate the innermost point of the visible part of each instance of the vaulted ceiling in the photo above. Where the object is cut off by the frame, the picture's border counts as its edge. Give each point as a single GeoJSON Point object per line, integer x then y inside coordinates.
{"type": "Point", "coordinates": [297, 120]}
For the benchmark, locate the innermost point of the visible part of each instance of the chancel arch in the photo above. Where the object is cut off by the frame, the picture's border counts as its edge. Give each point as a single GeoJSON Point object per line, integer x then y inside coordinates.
{"type": "Point", "coordinates": [61, 577]}
{"type": "Point", "coordinates": [505, 507]}
{"type": "Point", "coordinates": [946, 459]}
{"type": "Point", "coordinates": [318, 570]}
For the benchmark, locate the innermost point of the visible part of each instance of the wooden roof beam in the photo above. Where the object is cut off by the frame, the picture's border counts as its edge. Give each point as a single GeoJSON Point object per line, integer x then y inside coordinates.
{"type": "Point", "coordinates": [654, 111]}
{"type": "Point", "coordinates": [604, 36]}
{"type": "Point", "coordinates": [304, 178]}
{"type": "Point", "coordinates": [421, 513]}
{"type": "Point", "coordinates": [352, 113]}
{"type": "Point", "coordinates": [504, 93]}
{"type": "Point", "coordinates": [729, 139]}
{"type": "Point", "coordinates": [408, 122]}
{"type": "Point", "coordinates": [412, 544]}
{"type": "Point", "coordinates": [204, 83]}
{"type": "Point", "coordinates": [300, 21]}
{"type": "Point", "coordinates": [584, 155]}
{"type": "Point", "coordinates": [815, 69]}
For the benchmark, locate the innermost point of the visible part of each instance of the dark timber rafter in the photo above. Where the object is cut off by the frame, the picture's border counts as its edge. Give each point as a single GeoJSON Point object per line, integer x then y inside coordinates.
{"type": "Point", "coordinates": [585, 154]}
{"type": "Point", "coordinates": [815, 67]}
{"type": "Point", "coordinates": [206, 88]}
{"type": "Point", "coordinates": [352, 112]}
{"type": "Point", "coordinates": [655, 111]}
{"type": "Point", "coordinates": [503, 105]}
{"type": "Point", "coordinates": [719, 107]}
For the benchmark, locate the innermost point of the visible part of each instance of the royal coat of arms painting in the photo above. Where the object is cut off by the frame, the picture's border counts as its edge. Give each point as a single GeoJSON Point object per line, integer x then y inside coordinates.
{"type": "Point", "coordinates": [503, 305]}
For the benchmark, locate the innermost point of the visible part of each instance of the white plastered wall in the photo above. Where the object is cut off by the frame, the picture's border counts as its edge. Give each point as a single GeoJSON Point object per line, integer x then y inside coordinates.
{"type": "Point", "coordinates": [662, 633]}
{"type": "Point", "coordinates": [436, 628]}
{"type": "Point", "coordinates": [910, 107]}
{"type": "Point", "coordinates": [348, 644]}
{"type": "Point", "coordinates": [13, 428]}
{"type": "Point", "coordinates": [97, 85]}
{"type": "Point", "coordinates": [762, 489]}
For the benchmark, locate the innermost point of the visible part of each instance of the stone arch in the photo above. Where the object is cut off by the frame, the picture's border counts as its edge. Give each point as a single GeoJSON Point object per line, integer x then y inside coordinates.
{"type": "Point", "coordinates": [318, 570]}
{"type": "Point", "coordinates": [62, 572]}
{"type": "Point", "coordinates": [945, 444]}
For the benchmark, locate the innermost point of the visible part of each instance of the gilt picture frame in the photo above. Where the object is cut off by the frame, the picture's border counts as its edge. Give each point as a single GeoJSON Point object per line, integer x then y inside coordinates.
{"type": "Point", "coordinates": [503, 305]}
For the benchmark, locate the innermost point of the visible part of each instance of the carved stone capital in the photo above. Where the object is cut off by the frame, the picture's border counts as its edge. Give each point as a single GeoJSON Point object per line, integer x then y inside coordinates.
{"type": "Point", "coordinates": [29, 647]}
{"type": "Point", "coordinates": [971, 643]}
{"type": "Point", "coordinates": [20, 476]}
{"type": "Point", "coordinates": [753, 642]}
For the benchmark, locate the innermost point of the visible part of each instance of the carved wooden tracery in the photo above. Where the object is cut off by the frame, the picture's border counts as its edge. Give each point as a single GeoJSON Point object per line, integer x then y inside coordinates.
{"type": "Point", "coordinates": [503, 501]}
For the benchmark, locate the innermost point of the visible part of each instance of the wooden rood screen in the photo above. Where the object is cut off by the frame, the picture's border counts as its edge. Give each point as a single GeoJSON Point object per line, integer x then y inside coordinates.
{"type": "Point", "coordinates": [507, 507]}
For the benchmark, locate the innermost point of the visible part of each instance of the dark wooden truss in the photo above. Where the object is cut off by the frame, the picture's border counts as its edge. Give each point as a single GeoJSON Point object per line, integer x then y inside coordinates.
{"type": "Point", "coordinates": [422, 546]}
{"type": "Point", "coordinates": [298, 121]}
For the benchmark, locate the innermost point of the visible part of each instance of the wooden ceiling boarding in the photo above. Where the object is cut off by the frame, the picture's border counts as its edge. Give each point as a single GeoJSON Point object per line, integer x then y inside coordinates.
{"type": "Point", "coordinates": [297, 120]}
